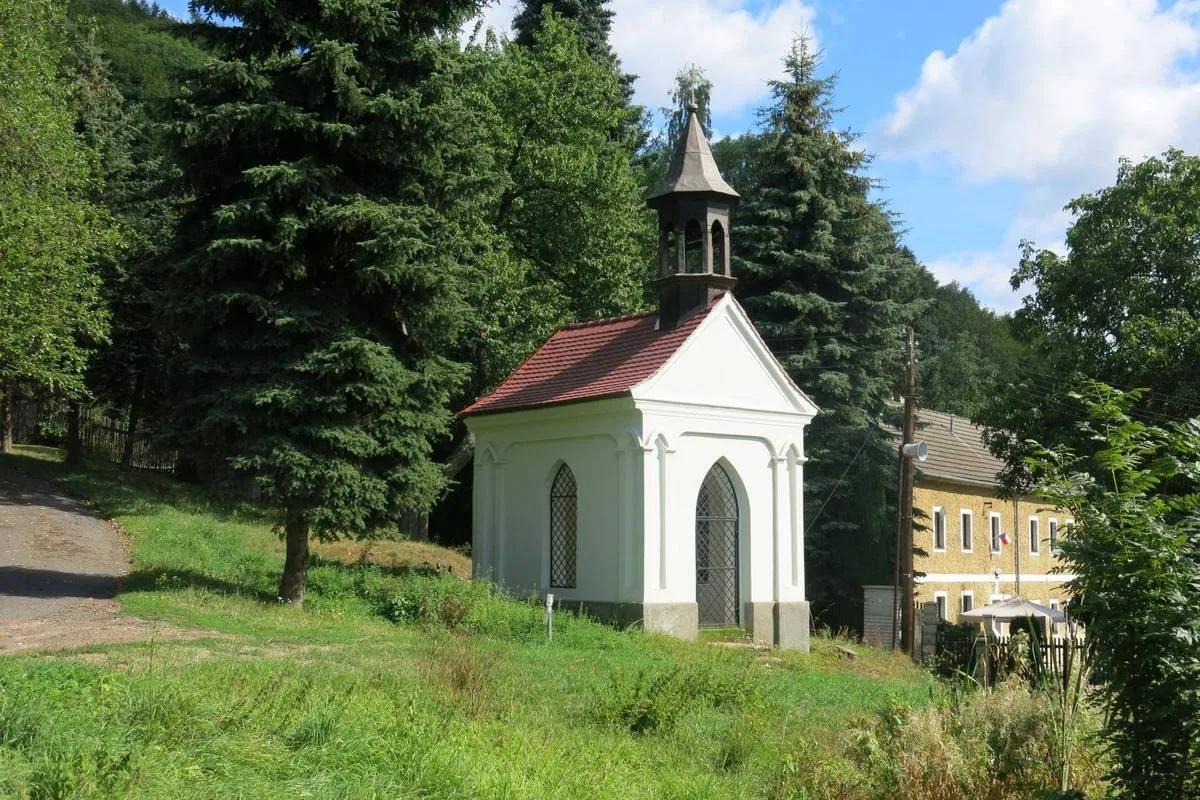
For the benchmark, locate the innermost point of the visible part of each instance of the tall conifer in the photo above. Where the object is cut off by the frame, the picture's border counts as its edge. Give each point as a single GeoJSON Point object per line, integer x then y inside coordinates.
{"type": "Point", "coordinates": [318, 284]}
{"type": "Point", "coordinates": [821, 273]}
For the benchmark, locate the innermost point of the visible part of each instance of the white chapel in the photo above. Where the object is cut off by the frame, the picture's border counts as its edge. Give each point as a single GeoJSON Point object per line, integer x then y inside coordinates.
{"type": "Point", "coordinates": [651, 467]}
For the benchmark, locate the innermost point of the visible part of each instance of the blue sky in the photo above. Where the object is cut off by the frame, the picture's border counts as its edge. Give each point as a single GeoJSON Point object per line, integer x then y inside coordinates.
{"type": "Point", "coordinates": [985, 117]}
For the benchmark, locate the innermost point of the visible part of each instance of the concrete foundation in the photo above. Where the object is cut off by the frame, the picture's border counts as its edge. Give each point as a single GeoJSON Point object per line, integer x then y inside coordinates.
{"type": "Point", "coordinates": [782, 624]}
{"type": "Point", "coordinates": [791, 626]}
{"type": "Point", "coordinates": [759, 621]}
{"type": "Point", "coordinates": [677, 619]}
{"type": "Point", "coordinates": [622, 614]}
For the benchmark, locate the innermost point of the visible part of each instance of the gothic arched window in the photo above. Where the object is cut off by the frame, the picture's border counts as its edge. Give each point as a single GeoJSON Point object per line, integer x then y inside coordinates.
{"type": "Point", "coordinates": [563, 524]}
{"type": "Point", "coordinates": [717, 571]}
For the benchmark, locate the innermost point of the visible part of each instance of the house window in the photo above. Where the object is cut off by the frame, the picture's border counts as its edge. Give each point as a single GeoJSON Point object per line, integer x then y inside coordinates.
{"type": "Point", "coordinates": [939, 530]}
{"type": "Point", "coordinates": [940, 599]}
{"type": "Point", "coordinates": [1052, 527]}
{"type": "Point", "coordinates": [967, 603]}
{"type": "Point", "coordinates": [564, 521]}
{"type": "Point", "coordinates": [994, 529]}
{"type": "Point", "coordinates": [1035, 545]}
{"type": "Point", "coordinates": [966, 528]}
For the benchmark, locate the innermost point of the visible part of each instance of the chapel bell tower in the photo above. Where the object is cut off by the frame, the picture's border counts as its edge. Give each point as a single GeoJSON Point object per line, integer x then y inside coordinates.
{"type": "Point", "coordinates": [694, 204]}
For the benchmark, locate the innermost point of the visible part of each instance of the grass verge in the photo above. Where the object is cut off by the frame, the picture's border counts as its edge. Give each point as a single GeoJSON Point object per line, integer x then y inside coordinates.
{"type": "Point", "coordinates": [402, 680]}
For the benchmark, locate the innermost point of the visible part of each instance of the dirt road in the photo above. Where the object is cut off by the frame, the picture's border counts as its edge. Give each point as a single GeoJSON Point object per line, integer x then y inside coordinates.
{"type": "Point", "coordinates": [59, 569]}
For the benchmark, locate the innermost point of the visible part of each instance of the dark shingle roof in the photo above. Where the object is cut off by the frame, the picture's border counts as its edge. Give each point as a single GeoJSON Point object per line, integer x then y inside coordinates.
{"type": "Point", "coordinates": [590, 361]}
{"type": "Point", "coordinates": [693, 168]}
{"type": "Point", "coordinates": [956, 449]}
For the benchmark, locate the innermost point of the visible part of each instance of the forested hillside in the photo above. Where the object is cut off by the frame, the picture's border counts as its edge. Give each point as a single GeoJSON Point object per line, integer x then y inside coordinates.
{"type": "Point", "coordinates": [292, 239]}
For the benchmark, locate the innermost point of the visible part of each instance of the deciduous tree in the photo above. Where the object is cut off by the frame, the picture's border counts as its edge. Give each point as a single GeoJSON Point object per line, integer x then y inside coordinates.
{"type": "Point", "coordinates": [1134, 547]}
{"type": "Point", "coordinates": [51, 234]}
{"type": "Point", "coordinates": [1122, 305]}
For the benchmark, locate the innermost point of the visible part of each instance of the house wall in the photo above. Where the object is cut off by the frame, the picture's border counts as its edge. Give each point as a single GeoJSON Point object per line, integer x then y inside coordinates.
{"type": "Point", "coordinates": [517, 456]}
{"type": "Point", "coordinates": [954, 571]}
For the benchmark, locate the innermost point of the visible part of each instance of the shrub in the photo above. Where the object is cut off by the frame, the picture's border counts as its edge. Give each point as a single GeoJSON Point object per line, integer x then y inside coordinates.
{"type": "Point", "coordinates": [655, 699]}
{"type": "Point", "coordinates": [651, 701]}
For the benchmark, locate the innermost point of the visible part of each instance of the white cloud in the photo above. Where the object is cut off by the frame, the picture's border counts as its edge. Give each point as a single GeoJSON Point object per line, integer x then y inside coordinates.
{"type": "Point", "coordinates": [1049, 94]}
{"type": "Point", "coordinates": [1055, 89]}
{"type": "Point", "coordinates": [739, 43]}
{"type": "Point", "coordinates": [984, 272]}
{"type": "Point", "coordinates": [740, 49]}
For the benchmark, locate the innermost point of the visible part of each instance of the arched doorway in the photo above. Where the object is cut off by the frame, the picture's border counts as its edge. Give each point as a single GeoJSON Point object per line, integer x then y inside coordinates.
{"type": "Point", "coordinates": [717, 550]}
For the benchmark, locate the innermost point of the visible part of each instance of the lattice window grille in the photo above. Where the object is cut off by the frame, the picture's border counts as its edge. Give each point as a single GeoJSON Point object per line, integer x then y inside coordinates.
{"type": "Point", "coordinates": [564, 521]}
{"type": "Point", "coordinates": [717, 550]}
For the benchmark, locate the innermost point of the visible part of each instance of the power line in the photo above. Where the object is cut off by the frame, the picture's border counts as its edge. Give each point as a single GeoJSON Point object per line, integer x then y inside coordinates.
{"type": "Point", "coordinates": [838, 485]}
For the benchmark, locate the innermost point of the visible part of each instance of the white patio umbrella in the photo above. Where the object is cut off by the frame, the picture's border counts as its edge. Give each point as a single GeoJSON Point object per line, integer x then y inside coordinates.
{"type": "Point", "coordinates": [1014, 608]}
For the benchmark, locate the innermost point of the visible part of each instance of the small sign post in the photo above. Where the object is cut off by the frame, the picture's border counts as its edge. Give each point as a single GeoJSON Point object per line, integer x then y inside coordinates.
{"type": "Point", "coordinates": [550, 617]}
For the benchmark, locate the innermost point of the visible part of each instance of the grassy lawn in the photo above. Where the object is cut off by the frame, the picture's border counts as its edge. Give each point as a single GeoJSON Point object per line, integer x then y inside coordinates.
{"type": "Point", "coordinates": [399, 679]}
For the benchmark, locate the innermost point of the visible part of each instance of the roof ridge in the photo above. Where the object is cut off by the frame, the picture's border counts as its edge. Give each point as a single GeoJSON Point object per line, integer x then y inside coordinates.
{"type": "Point", "coordinates": [571, 326]}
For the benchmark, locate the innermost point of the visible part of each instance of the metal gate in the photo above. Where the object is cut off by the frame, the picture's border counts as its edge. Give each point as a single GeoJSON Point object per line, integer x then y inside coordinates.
{"type": "Point", "coordinates": [717, 551]}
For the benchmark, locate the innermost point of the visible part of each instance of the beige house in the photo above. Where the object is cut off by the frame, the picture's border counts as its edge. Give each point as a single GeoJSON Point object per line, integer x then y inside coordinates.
{"type": "Point", "coordinates": [978, 547]}
{"type": "Point", "coordinates": [975, 547]}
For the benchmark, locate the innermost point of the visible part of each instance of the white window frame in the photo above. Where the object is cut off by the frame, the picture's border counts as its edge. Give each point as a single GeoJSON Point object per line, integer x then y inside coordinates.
{"type": "Point", "coordinates": [938, 511]}
{"type": "Point", "coordinates": [970, 540]}
{"type": "Point", "coordinates": [943, 606]}
{"type": "Point", "coordinates": [1052, 535]}
{"type": "Point", "coordinates": [965, 595]}
{"type": "Point", "coordinates": [1034, 526]}
{"type": "Point", "coordinates": [994, 543]}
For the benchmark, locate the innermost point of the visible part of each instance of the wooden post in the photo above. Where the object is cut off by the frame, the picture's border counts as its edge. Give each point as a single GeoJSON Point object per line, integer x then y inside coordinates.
{"type": "Point", "coordinates": [908, 474]}
{"type": "Point", "coordinates": [6, 418]}
{"type": "Point", "coordinates": [74, 443]}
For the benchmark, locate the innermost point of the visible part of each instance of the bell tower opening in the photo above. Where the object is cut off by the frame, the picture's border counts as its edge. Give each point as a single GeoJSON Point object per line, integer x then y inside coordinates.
{"type": "Point", "coordinates": [719, 262]}
{"type": "Point", "coordinates": [693, 248]}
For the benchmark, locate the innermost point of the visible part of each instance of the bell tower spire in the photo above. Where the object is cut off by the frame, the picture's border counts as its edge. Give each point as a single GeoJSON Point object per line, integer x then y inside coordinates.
{"type": "Point", "coordinates": [694, 204]}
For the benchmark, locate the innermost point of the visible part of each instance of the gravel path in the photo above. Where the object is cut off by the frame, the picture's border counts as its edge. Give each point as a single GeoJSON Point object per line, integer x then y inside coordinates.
{"type": "Point", "coordinates": [59, 569]}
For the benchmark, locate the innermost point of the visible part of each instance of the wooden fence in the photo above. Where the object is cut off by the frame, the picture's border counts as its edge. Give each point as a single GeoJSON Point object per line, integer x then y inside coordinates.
{"type": "Point", "coordinates": [963, 649]}
{"type": "Point", "coordinates": [103, 433]}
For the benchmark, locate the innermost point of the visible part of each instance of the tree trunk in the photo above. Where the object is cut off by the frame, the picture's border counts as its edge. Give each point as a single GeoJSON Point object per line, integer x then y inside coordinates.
{"type": "Point", "coordinates": [6, 418]}
{"type": "Point", "coordinates": [134, 419]}
{"type": "Point", "coordinates": [74, 439]}
{"type": "Point", "coordinates": [295, 565]}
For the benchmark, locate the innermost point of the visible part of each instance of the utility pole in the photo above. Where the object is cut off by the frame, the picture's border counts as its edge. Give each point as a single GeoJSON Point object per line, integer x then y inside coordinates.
{"type": "Point", "coordinates": [904, 556]}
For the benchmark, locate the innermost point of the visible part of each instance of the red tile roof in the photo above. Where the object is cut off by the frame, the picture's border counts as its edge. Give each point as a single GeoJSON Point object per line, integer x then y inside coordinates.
{"type": "Point", "coordinates": [589, 361]}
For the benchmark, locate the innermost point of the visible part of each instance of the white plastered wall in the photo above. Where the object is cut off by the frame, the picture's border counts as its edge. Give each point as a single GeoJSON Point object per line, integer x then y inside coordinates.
{"type": "Point", "coordinates": [768, 476]}
{"type": "Point", "coordinates": [517, 455]}
{"type": "Point", "coordinates": [723, 399]}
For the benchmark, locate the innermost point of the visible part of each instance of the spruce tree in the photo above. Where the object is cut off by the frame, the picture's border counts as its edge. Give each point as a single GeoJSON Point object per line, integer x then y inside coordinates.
{"type": "Point", "coordinates": [318, 283]}
{"type": "Point", "coordinates": [821, 273]}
